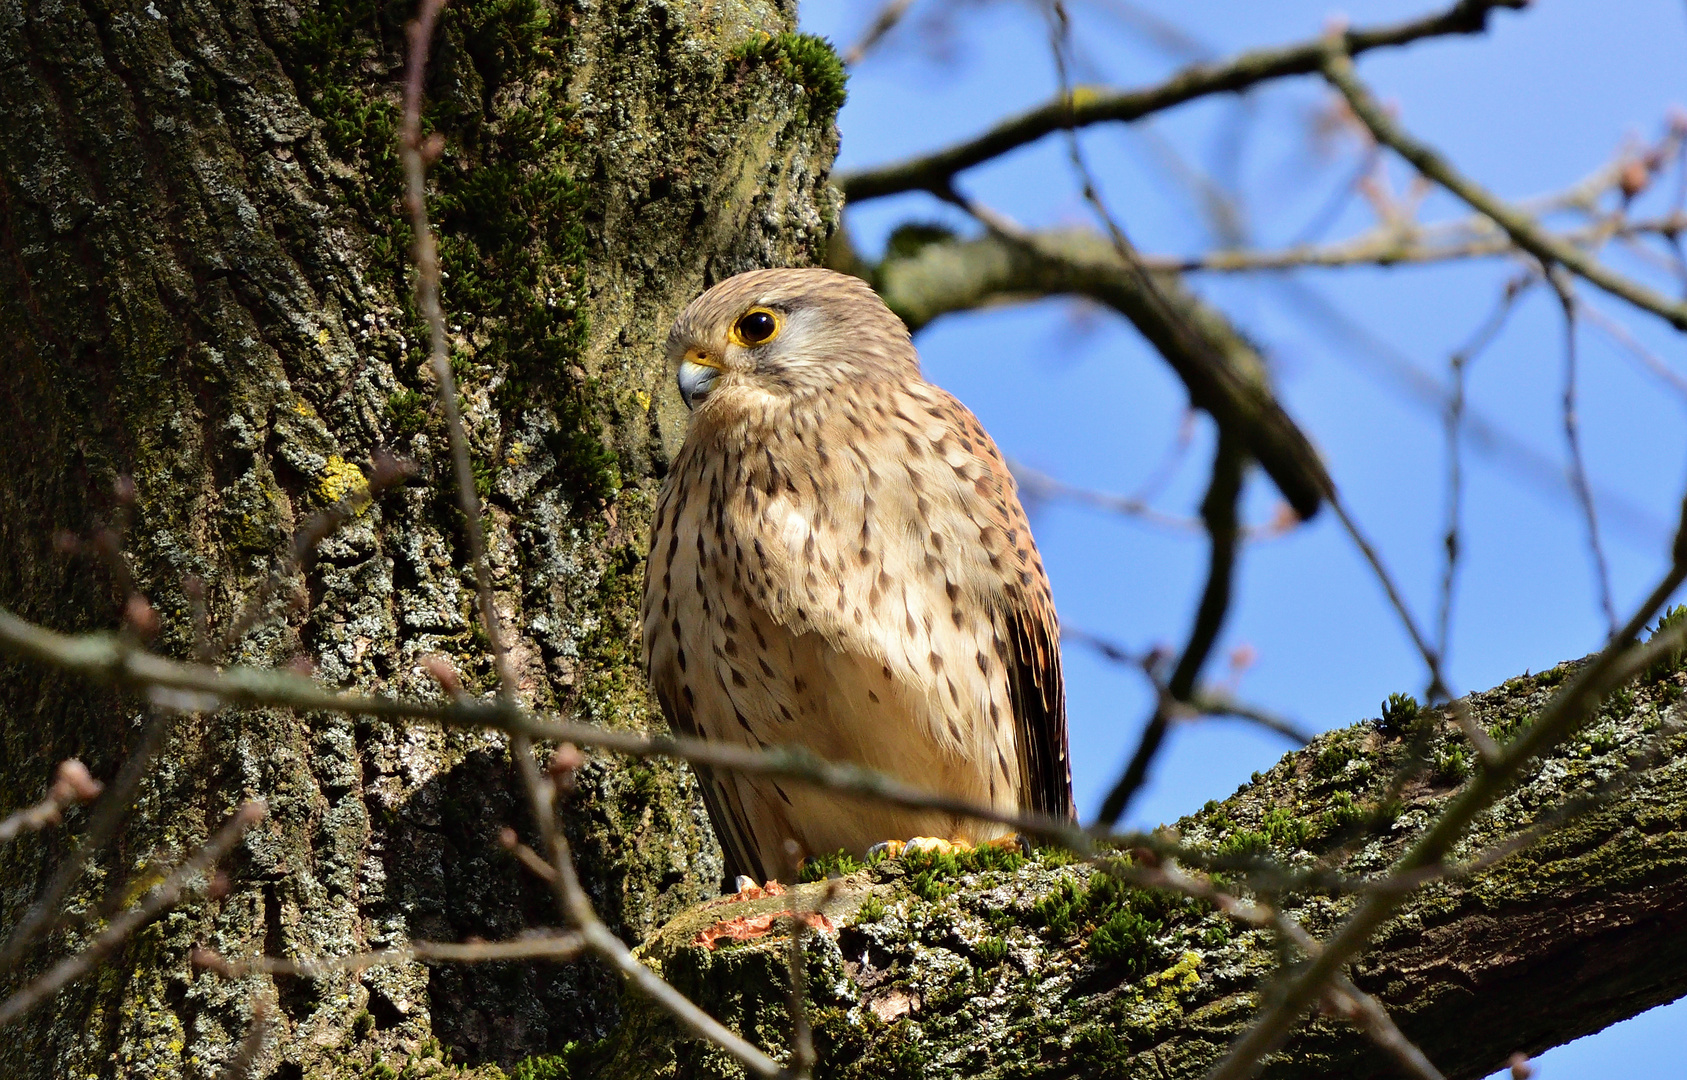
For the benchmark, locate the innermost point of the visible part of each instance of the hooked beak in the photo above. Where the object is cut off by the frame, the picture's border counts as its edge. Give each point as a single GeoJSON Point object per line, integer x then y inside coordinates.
{"type": "Point", "coordinates": [697, 375]}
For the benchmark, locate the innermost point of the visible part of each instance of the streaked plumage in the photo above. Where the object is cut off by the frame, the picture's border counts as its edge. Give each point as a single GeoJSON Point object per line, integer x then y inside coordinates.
{"type": "Point", "coordinates": [840, 559]}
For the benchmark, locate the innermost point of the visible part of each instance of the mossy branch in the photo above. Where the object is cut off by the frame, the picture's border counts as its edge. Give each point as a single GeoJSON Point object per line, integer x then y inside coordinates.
{"type": "Point", "coordinates": [1565, 913]}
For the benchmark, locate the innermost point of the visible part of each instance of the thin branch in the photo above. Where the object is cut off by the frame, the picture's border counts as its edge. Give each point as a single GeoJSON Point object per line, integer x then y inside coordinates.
{"type": "Point", "coordinates": [1367, 1014]}
{"type": "Point", "coordinates": [1620, 334]}
{"type": "Point", "coordinates": [1523, 230]}
{"type": "Point", "coordinates": [610, 948]}
{"type": "Point", "coordinates": [1437, 690]}
{"type": "Point", "coordinates": [802, 1058]}
{"type": "Point", "coordinates": [1573, 444]}
{"type": "Point", "coordinates": [1456, 365]}
{"type": "Point", "coordinates": [1206, 702]}
{"type": "Point", "coordinates": [385, 472]}
{"type": "Point", "coordinates": [1218, 511]}
{"type": "Point", "coordinates": [535, 946]}
{"type": "Point", "coordinates": [160, 899]}
{"type": "Point", "coordinates": [72, 784]}
{"type": "Point", "coordinates": [103, 823]}
{"type": "Point", "coordinates": [108, 658]}
{"type": "Point", "coordinates": [240, 1065]}
{"type": "Point", "coordinates": [883, 23]}
{"type": "Point", "coordinates": [1384, 246]}
{"type": "Point", "coordinates": [1035, 484]}
{"type": "Point", "coordinates": [416, 156]}
{"type": "Point", "coordinates": [1202, 701]}
{"type": "Point", "coordinates": [571, 896]}
{"type": "Point", "coordinates": [1083, 107]}
{"type": "Point", "coordinates": [527, 857]}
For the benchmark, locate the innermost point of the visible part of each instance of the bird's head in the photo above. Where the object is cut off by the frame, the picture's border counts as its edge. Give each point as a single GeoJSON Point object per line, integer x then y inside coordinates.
{"type": "Point", "coordinates": [782, 334]}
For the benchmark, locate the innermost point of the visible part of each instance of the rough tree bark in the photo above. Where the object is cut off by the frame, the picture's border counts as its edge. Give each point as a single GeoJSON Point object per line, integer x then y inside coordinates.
{"type": "Point", "coordinates": [204, 286]}
{"type": "Point", "coordinates": [979, 969]}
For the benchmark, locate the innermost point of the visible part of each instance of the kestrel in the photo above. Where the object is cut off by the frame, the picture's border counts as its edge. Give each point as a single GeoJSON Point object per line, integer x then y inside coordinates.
{"type": "Point", "coordinates": [840, 560]}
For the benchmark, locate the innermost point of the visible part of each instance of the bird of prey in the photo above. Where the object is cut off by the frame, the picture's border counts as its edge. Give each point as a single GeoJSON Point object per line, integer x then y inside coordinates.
{"type": "Point", "coordinates": [839, 560]}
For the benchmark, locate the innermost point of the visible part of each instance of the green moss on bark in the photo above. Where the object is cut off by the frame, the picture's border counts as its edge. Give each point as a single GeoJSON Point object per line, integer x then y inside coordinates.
{"type": "Point", "coordinates": [206, 287]}
{"type": "Point", "coordinates": [940, 968]}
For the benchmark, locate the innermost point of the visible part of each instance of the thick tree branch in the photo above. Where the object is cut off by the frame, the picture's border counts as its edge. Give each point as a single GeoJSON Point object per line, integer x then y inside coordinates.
{"type": "Point", "coordinates": [933, 172]}
{"type": "Point", "coordinates": [1568, 711]}
{"type": "Point", "coordinates": [1554, 926]}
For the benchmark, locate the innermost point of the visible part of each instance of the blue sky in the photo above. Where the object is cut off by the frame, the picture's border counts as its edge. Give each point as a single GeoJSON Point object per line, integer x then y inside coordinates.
{"type": "Point", "coordinates": [1548, 96]}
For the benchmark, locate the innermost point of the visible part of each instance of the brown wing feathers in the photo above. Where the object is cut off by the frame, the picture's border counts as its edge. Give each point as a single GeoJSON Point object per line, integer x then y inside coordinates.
{"type": "Point", "coordinates": [1039, 706]}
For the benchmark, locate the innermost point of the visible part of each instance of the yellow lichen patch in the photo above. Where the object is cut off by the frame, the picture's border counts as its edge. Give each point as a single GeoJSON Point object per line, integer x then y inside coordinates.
{"type": "Point", "coordinates": [339, 479]}
{"type": "Point", "coordinates": [323, 337]}
{"type": "Point", "coordinates": [643, 399]}
{"type": "Point", "coordinates": [1181, 977]}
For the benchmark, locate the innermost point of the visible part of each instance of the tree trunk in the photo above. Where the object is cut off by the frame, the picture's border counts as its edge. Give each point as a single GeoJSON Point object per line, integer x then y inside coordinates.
{"type": "Point", "coordinates": [204, 286]}
{"type": "Point", "coordinates": [972, 968]}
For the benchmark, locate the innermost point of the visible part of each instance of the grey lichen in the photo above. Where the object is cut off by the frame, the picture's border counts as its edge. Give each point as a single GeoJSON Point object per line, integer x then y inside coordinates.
{"type": "Point", "coordinates": [206, 288]}
{"type": "Point", "coordinates": [1042, 968]}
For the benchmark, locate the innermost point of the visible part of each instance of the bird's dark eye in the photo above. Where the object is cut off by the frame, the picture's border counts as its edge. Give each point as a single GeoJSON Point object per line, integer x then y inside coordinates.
{"type": "Point", "coordinates": [756, 327]}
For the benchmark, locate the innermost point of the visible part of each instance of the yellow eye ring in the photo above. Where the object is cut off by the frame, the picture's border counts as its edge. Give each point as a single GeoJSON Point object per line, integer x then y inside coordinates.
{"type": "Point", "coordinates": [758, 326]}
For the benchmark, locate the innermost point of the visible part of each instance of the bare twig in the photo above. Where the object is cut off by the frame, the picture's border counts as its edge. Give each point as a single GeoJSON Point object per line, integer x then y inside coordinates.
{"type": "Point", "coordinates": [1438, 690]}
{"type": "Point", "coordinates": [1523, 230]}
{"type": "Point", "coordinates": [1573, 444]}
{"type": "Point", "coordinates": [1391, 245]}
{"type": "Point", "coordinates": [1367, 1014]}
{"type": "Point", "coordinates": [1207, 702]}
{"type": "Point", "coordinates": [1037, 485]}
{"type": "Point", "coordinates": [884, 22]}
{"type": "Point", "coordinates": [106, 819]}
{"type": "Point", "coordinates": [1081, 108]}
{"type": "Point", "coordinates": [543, 945]}
{"type": "Point", "coordinates": [240, 1065]}
{"type": "Point", "coordinates": [385, 472]}
{"type": "Point", "coordinates": [535, 864]}
{"type": "Point", "coordinates": [1456, 365]}
{"type": "Point", "coordinates": [72, 784]}
{"type": "Point", "coordinates": [1619, 333]}
{"type": "Point", "coordinates": [416, 156]}
{"type": "Point", "coordinates": [571, 896]}
{"type": "Point", "coordinates": [1218, 510]}
{"type": "Point", "coordinates": [107, 658]}
{"type": "Point", "coordinates": [802, 1059]}
{"type": "Point", "coordinates": [160, 899]}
